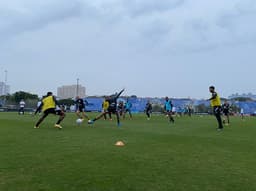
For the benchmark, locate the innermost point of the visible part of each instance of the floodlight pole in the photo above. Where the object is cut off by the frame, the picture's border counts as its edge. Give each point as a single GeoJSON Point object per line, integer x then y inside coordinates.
{"type": "Point", "coordinates": [77, 86]}
{"type": "Point", "coordinates": [5, 76]}
{"type": "Point", "coordinates": [5, 86]}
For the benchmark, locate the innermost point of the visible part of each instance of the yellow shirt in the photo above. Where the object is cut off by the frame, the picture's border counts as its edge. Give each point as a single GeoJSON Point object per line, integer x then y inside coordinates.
{"type": "Point", "coordinates": [216, 100]}
{"type": "Point", "coordinates": [48, 103]}
{"type": "Point", "coordinates": [105, 105]}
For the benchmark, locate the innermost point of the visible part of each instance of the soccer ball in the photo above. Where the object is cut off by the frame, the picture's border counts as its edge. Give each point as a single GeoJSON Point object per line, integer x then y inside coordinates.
{"type": "Point", "coordinates": [79, 121]}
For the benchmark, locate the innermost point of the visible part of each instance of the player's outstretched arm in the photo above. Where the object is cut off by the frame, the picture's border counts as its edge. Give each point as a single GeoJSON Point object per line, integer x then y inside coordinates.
{"type": "Point", "coordinates": [117, 96]}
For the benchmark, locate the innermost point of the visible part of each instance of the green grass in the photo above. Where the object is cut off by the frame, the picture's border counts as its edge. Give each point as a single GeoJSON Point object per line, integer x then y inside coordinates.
{"type": "Point", "coordinates": [157, 156]}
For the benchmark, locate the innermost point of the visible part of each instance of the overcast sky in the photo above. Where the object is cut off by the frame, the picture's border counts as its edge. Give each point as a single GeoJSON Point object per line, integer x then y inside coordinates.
{"type": "Point", "coordinates": [173, 48]}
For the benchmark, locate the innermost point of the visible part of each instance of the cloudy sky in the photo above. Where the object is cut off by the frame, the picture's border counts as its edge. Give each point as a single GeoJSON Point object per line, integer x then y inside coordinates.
{"type": "Point", "coordinates": [151, 47]}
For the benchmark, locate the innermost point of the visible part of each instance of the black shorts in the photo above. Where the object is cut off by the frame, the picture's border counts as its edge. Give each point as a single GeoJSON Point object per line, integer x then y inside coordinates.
{"type": "Point", "coordinates": [112, 110]}
{"type": "Point", "coordinates": [226, 112]}
{"type": "Point", "coordinates": [53, 111]}
{"type": "Point", "coordinates": [217, 110]}
{"type": "Point", "coordinates": [80, 109]}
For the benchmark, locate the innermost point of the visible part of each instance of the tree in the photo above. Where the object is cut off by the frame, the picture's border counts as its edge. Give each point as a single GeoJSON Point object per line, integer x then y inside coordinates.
{"type": "Point", "coordinates": [17, 96]}
{"type": "Point", "coordinates": [14, 99]}
{"type": "Point", "coordinates": [157, 108]}
{"type": "Point", "coordinates": [202, 108]}
{"type": "Point", "coordinates": [67, 102]}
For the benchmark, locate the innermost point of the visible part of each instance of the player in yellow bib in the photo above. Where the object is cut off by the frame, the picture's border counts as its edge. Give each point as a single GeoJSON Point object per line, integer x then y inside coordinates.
{"type": "Point", "coordinates": [49, 106]}
{"type": "Point", "coordinates": [105, 105]}
{"type": "Point", "coordinates": [216, 105]}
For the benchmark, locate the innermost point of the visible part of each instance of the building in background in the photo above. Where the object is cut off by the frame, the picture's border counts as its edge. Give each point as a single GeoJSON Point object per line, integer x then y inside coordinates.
{"type": "Point", "coordinates": [4, 89]}
{"type": "Point", "coordinates": [71, 91]}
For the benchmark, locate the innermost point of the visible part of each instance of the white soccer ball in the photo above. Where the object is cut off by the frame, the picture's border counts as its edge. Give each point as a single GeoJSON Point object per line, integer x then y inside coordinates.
{"type": "Point", "coordinates": [79, 121]}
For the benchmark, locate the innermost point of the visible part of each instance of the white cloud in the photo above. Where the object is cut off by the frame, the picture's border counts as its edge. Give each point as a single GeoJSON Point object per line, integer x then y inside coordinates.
{"type": "Point", "coordinates": [21, 16]}
{"type": "Point", "coordinates": [125, 35]}
{"type": "Point", "coordinates": [172, 24]}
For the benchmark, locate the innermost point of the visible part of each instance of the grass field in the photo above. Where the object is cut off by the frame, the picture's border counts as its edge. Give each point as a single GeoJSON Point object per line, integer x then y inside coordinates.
{"type": "Point", "coordinates": [189, 155]}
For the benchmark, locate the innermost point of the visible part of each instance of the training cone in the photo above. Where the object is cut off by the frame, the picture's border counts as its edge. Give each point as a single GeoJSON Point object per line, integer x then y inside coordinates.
{"type": "Point", "coordinates": [119, 143]}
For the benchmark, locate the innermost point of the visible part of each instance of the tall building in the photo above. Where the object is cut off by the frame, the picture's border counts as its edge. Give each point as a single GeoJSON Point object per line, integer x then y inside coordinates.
{"type": "Point", "coordinates": [4, 89]}
{"type": "Point", "coordinates": [70, 91]}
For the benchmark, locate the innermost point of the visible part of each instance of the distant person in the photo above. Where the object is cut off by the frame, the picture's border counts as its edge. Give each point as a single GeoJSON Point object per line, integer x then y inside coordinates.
{"type": "Point", "coordinates": [49, 106]}
{"type": "Point", "coordinates": [190, 110]}
{"type": "Point", "coordinates": [242, 113]}
{"type": "Point", "coordinates": [174, 111]}
{"type": "Point", "coordinates": [105, 106]}
{"type": "Point", "coordinates": [179, 111]}
{"type": "Point", "coordinates": [148, 109]}
{"type": "Point", "coordinates": [111, 109]}
{"type": "Point", "coordinates": [120, 108]}
{"type": "Point", "coordinates": [226, 111]}
{"type": "Point", "coordinates": [168, 106]}
{"type": "Point", "coordinates": [22, 107]}
{"type": "Point", "coordinates": [127, 108]}
{"type": "Point", "coordinates": [216, 105]}
{"type": "Point", "coordinates": [80, 108]}
{"type": "Point", "coordinates": [38, 107]}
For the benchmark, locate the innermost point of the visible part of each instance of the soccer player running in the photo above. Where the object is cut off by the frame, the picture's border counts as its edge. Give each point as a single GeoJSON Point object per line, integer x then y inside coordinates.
{"type": "Point", "coordinates": [120, 108]}
{"type": "Point", "coordinates": [105, 106]}
{"type": "Point", "coordinates": [216, 105]}
{"type": "Point", "coordinates": [148, 109]}
{"type": "Point", "coordinates": [22, 106]}
{"type": "Point", "coordinates": [242, 113]}
{"type": "Point", "coordinates": [168, 109]}
{"type": "Point", "coordinates": [49, 106]}
{"type": "Point", "coordinates": [80, 107]}
{"type": "Point", "coordinates": [111, 109]}
{"type": "Point", "coordinates": [226, 109]}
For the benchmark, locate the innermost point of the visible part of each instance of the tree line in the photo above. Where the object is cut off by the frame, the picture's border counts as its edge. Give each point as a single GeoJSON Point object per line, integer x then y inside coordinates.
{"type": "Point", "coordinates": [30, 99]}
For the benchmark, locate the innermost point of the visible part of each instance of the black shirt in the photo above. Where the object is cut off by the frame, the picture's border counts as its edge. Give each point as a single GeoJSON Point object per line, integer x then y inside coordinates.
{"type": "Point", "coordinates": [80, 103]}
{"type": "Point", "coordinates": [225, 107]}
{"type": "Point", "coordinates": [148, 106]}
{"type": "Point", "coordinates": [113, 99]}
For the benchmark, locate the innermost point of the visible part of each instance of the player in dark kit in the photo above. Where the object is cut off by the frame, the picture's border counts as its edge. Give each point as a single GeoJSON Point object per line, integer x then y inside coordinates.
{"type": "Point", "coordinates": [120, 108]}
{"type": "Point", "coordinates": [111, 109]}
{"type": "Point", "coordinates": [226, 109]}
{"type": "Point", "coordinates": [80, 106]}
{"type": "Point", "coordinates": [148, 109]}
